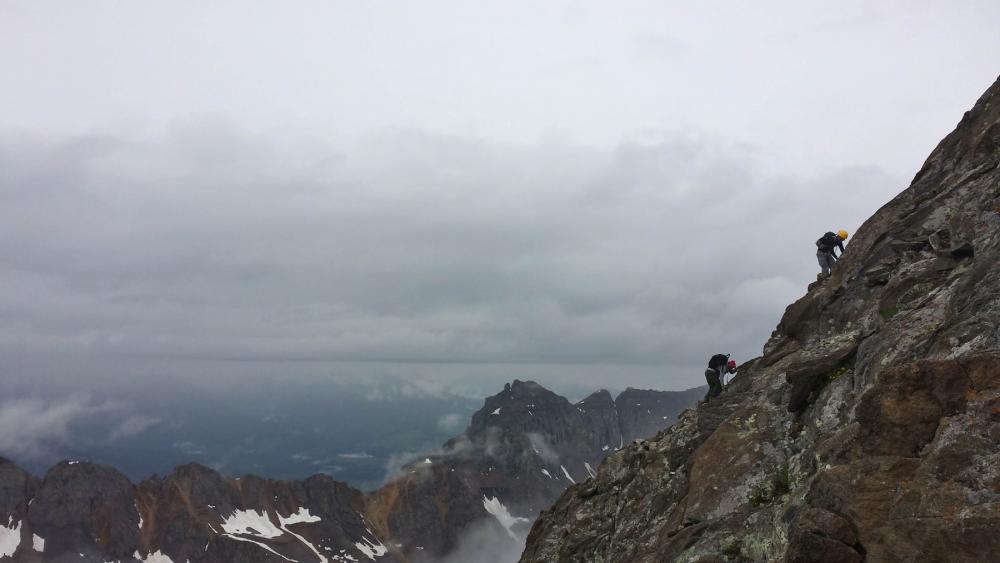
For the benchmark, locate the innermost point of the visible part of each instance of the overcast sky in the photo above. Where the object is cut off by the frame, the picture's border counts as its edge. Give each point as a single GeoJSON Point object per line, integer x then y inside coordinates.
{"type": "Point", "coordinates": [584, 193]}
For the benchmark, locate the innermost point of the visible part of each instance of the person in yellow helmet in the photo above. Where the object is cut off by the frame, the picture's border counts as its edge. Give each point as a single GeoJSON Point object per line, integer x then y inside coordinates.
{"type": "Point", "coordinates": [826, 251]}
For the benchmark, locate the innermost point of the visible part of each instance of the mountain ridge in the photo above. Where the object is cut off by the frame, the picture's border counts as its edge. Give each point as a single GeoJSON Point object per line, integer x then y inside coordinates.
{"type": "Point", "coordinates": [82, 511]}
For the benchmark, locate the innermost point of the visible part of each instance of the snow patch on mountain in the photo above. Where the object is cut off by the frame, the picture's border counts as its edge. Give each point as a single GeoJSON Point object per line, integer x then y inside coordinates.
{"type": "Point", "coordinates": [251, 523]}
{"type": "Point", "coordinates": [503, 516]}
{"type": "Point", "coordinates": [371, 549]}
{"type": "Point", "coordinates": [155, 557]}
{"type": "Point", "coordinates": [10, 538]}
{"type": "Point", "coordinates": [302, 515]}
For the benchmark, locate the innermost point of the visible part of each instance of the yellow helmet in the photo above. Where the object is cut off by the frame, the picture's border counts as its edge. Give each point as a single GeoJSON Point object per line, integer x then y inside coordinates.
{"type": "Point", "coordinates": [842, 234]}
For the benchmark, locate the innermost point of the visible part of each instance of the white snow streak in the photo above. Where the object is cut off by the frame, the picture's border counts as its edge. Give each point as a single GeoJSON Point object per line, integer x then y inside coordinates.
{"type": "Point", "coordinates": [257, 543]}
{"type": "Point", "coordinates": [590, 469]}
{"type": "Point", "coordinates": [566, 473]}
{"type": "Point", "coordinates": [38, 543]}
{"type": "Point", "coordinates": [547, 474]}
{"type": "Point", "coordinates": [301, 517]}
{"type": "Point", "coordinates": [371, 549]}
{"type": "Point", "coordinates": [496, 411]}
{"type": "Point", "coordinates": [500, 512]}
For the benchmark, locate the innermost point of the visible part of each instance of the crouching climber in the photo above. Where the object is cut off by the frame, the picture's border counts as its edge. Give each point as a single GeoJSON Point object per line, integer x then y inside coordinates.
{"type": "Point", "coordinates": [718, 366]}
{"type": "Point", "coordinates": [826, 251]}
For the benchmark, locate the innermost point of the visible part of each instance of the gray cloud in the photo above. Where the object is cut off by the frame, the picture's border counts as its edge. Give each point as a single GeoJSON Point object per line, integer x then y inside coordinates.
{"type": "Point", "coordinates": [483, 542]}
{"type": "Point", "coordinates": [604, 196]}
{"type": "Point", "coordinates": [133, 425]}
{"type": "Point", "coordinates": [815, 85]}
{"type": "Point", "coordinates": [36, 429]}
{"type": "Point", "coordinates": [218, 243]}
{"type": "Point", "coordinates": [191, 448]}
{"type": "Point", "coordinates": [453, 423]}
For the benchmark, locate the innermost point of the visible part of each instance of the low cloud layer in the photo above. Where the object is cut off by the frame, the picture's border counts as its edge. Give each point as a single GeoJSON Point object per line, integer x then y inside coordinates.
{"type": "Point", "coordinates": [33, 430]}
{"type": "Point", "coordinates": [453, 423]}
{"type": "Point", "coordinates": [484, 542]}
{"type": "Point", "coordinates": [213, 242]}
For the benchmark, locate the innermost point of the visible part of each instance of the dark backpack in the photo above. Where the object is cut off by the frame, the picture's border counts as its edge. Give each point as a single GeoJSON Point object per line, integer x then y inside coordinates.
{"type": "Point", "coordinates": [828, 242]}
{"type": "Point", "coordinates": [718, 361]}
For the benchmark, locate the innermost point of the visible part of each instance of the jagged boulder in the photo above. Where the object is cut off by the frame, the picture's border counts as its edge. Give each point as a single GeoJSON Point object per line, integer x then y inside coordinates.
{"type": "Point", "coordinates": [870, 428]}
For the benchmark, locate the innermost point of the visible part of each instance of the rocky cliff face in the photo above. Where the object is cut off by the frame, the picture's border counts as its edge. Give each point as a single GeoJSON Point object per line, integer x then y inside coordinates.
{"type": "Point", "coordinates": [521, 450]}
{"type": "Point", "coordinates": [869, 430]}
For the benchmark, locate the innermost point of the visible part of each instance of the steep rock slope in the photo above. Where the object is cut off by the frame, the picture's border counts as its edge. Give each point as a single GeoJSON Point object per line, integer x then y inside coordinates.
{"type": "Point", "coordinates": [490, 480]}
{"type": "Point", "coordinates": [870, 428]}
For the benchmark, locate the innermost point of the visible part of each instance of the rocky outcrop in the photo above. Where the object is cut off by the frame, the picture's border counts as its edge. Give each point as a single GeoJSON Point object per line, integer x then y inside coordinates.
{"type": "Point", "coordinates": [870, 428]}
{"type": "Point", "coordinates": [521, 450]}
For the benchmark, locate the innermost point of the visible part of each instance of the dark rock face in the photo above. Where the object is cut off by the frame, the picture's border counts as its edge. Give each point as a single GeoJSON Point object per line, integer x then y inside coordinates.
{"type": "Point", "coordinates": [602, 415]}
{"type": "Point", "coordinates": [79, 504]}
{"type": "Point", "coordinates": [521, 450]}
{"type": "Point", "coordinates": [870, 428]}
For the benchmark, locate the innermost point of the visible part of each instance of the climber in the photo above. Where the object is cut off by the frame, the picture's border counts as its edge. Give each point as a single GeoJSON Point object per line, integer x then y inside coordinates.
{"type": "Point", "coordinates": [825, 251]}
{"type": "Point", "coordinates": [718, 366]}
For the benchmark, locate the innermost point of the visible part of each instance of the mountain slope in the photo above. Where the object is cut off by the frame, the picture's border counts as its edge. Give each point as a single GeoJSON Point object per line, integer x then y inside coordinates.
{"type": "Point", "coordinates": [870, 428]}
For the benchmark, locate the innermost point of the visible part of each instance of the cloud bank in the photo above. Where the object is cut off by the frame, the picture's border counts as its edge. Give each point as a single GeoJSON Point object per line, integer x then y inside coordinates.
{"type": "Point", "coordinates": [33, 429]}
{"type": "Point", "coordinates": [214, 242]}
